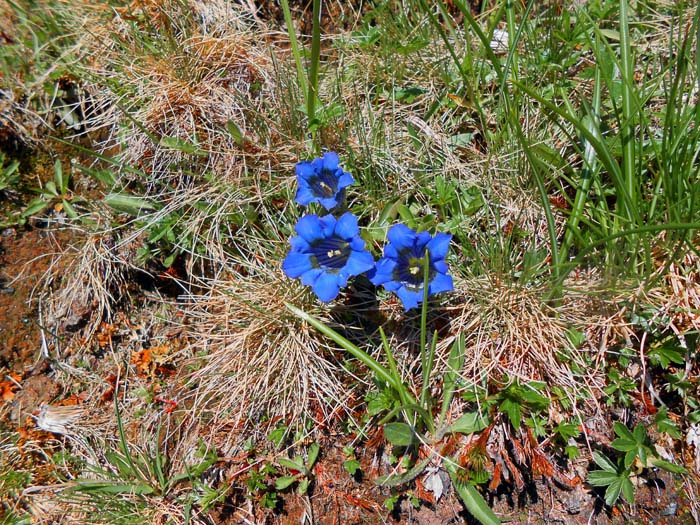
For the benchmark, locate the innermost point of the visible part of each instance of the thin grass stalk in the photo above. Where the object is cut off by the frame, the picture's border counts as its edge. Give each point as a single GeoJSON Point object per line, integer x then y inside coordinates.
{"type": "Point", "coordinates": [425, 359]}
{"type": "Point", "coordinates": [512, 25]}
{"type": "Point", "coordinates": [459, 64]}
{"type": "Point", "coordinates": [627, 124]}
{"type": "Point", "coordinates": [301, 76]}
{"type": "Point", "coordinates": [405, 397]}
{"type": "Point", "coordinates": [314, 65]}
{"type": "Point", "coordinates": [381, 372]}
{"type": "Point", "coordinates": [589, 167]}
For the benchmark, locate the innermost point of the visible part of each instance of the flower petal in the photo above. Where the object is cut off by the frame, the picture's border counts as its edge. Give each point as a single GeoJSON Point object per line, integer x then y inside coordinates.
{"type": "Point", "coordinates": [359, 262]}
{"type": "Point", "coordinates": [440, 266]}
{"type": "Point", "coordinates": [422, 240]}
{"type": "Point", "coordinates": [328, 202]}
{"type": "Point", "coordinates": [304, 195]}
{"type": "Point", "coordinates": [345, 180]}
{"type": "Point", "coordinates": [409, 298]}
{"type": "Point", "coordinates": [328, 223]}
{"type": "Point", "coordinates": [304, 170]}
{"type": "Point", "coordinates": [330, 161]}
{"type": "Point", "coordinates": [440, 283]}
{"type": "Point", "coordinates": [401, 237]}
{"type": "Point", "coordinates": [383, 271]}
{"type": "Point", "coordinates": [439, 245]}
{"type": "Point", "coordinates": [346, 227]}
{"type": "Point", "coordinates": [326, 287]}
{"type": "Point", "coordinates": [309, 228]}
{"type": "Point", "coordinates": [295, 264]}
{"type": "Point", "coordinates": [309, 278]}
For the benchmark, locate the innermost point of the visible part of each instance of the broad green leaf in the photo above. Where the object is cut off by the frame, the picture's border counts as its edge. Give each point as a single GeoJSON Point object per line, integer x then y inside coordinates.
{"type": "Point", "coordinates": [513, 410]}
{"type": "Point", "coordinates": [295, 464]}
{"type": "Point", "coordinates": [469, 423]}
{"type": "Point", "coordinates": [235, 132]}
{"type": "Point", "coordinates": [51, 188]}
{"type": "Point", "coordinates": [128, 203]}
{"type": "Point", "coordinates": [34, 207]}
{"type": "Point", "coordinates": [394, 480]}
{"type": "Point", "coordinates": [670, 467]}
{"type": "Point", "coordinates": [472, 499]}
{"type": "Point", "coordinates": [284, 482]}
{"type": "Point", "coordinates": [612, 493]}
{"type": "Point", "coordinates": [399, 434]}
{"type": "Point", "coordinates": [602, 478]}
{"type": "Point", "coordinates": [664, 424]}
{"type": "Point", "coordinates": [312, 455]}
{"type": "Point", "coordinates": [622, 431]}
{"type": "Point", "coordinates": [603, 462]}
{"type": "Point", "coordinates": [628, 490]}
{"type": "Point", "coordinates": [352, 466]}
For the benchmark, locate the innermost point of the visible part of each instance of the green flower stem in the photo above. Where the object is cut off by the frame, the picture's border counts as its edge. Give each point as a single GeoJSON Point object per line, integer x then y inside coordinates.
{"type": "Point", "coordinates": [406, 398]}
{"type": "Point", "coordinates": [381, 372]}
{"type": "Point", "coordinates": [301, 77]}
{"type": "Point", "coordinates": [426, 356]}
{"type": "Point", "coordinates": [315, 60]}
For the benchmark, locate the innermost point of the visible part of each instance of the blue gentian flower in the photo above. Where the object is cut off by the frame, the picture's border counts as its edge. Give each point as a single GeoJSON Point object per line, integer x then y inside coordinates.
{"type": "Point", "coordinates": [401, 270]}
{"type": "Point", "coordinates": [326, 253]}
{"type": "Point", "coordinates": [322, 180]}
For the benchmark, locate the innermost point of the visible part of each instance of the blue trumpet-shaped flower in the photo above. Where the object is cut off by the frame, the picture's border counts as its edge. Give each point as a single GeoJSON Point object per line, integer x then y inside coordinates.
{"type": "Point", "coordinates": [322, 180]}
{"type": "Point", "coordinates": [326, 253]}
{"type": "Point", "coordinates": [401, 270]}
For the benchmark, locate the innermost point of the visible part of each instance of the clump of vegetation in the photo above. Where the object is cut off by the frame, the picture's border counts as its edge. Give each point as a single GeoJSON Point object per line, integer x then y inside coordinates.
{"type": "Point", "coordinates": [456, 242]}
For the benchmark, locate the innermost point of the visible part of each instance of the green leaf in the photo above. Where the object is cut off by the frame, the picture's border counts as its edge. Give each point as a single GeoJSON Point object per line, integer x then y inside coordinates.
{"type": "Point", "coordinates": [513, 410]}
{"type": "Point", "coordinates": [292, 464]}
{"type": "Point", "coordinates": [51, 188]}
{"type": "Point", "coordinates": [304, 486]}
{"type": "Point", "coordinates": [473, 500]}
{"type": "Point", "coordinates": [235, 132]}
{"type": "Point", "coordinates": [182, 145]}
{"type": "Point", "coordinates": [603, 462]}
{"type": "Point", "coordinates": [602, 478]}
{"type": "Point", "coordinates": [394, 480]}
{"type": "Point", "coordinates": [668, 466]}
{"type": "Point", "coordinates": [455, 361]}
{"type": "Point", "coordinates": [34, 207]}
{"type": "Point", "coordinates": [623, 432]}
{"type": "Point", "coordinates": [351, 466]}
{"type": "Point", "coordinates": [612, 493]}
{"type": "Point", "coordinates": [399, 434]}
{"type": "Point", "coordinates": [628, 490]}
{"type": "Point", "coordinates": [285, 481]}
{"type": "Point", "coordinates": [469, 423]}
{"type": "Point", "coordinates": [69, 209]}
{"type": "Point", "coordinates": [126, 203]}
{"type": "Point", "coordinates": [58, 177]}
{"type": "Point", "coordinates": [312, 455]}
{"type": "Point", "coordinates": [664, 424]}
{"type": "Point", "coordinates": [107, 487]}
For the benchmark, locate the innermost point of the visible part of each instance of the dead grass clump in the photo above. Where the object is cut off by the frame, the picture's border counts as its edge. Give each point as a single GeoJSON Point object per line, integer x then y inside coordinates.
{"type": "Point", "coordinates": [89, 292]}
{"type": "Point", "coordinates": [254, 360]}
{"type": "Point", "coordinates": [512, 334]}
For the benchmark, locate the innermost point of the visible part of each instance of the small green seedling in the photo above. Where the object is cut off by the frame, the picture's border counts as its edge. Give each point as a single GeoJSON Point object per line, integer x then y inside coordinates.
{"type": "Point", "coordinates": [301, 470]}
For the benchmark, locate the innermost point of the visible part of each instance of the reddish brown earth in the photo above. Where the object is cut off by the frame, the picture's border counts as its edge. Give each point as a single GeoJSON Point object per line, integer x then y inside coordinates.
{"type": "Point", "coordinates": [25, 257]}
{"type": "Point", "coordinates": [335, 497]}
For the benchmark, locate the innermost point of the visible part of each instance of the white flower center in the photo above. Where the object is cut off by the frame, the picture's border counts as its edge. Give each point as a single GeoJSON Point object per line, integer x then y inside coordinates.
{"type": "Point", "coordinates": [334, 253]}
